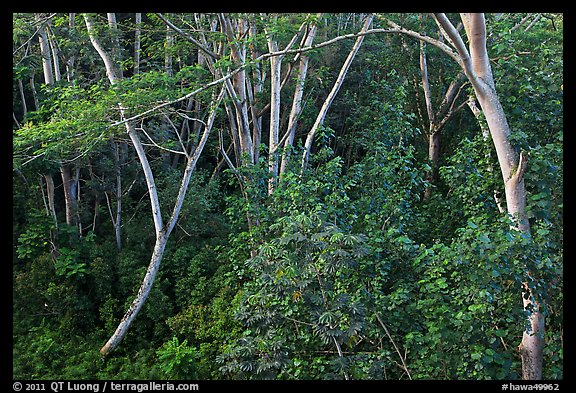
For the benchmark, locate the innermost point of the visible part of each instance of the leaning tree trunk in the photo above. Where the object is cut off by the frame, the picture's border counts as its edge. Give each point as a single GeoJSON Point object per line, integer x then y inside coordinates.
{"type": "Point", "coordinates": [476, 65]}
{"type": "Point", "coordinates": [296, 109]}
{"type": "Point", "coordinates": [333, 92]}
{"type": "Point", "coordinates": [45, 51]}
{"type": "Point", "coordinates": [162, 231]}
{"type": "Point", "coordinates": [275, 87]}
{"type": "Point", "coordinates": [69, 197]}
{"type": "Point", "coordinates": [275, 79]}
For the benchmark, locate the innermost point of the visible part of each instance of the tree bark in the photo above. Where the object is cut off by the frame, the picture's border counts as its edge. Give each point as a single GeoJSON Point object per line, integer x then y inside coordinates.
{"type": "Point", "coordinates": [55, 53]}
{"type": "Point", "coordinates": [437, 119]}
{"type": "Point", "coordinates": [275, 87]}
{"type": "Point", "coordinates": [275, 80]}
{"type": "Point", "coordinates": [117, 220]}
{"type": "Point", "coordinates": [486, 135]}
{"type": "Point", "coordinates": [237, 88]}
{"type": "Point", "coordinates": [254, 90]}
{"type": "Point", "coordinates": [69, 197]}
{"type": "Point", "coordinates": [137, 33]}
{"type": "Point", "coordinates": [433, 158]}
{"type": "Point", "coordinates": [162, 231]}
{"type": "Point", "coordinates": [71, 60]}
{"type": "Point", "coordinates": [297, 99]}
{"type": "Point", "coordinates": [124, 325]}
{"type": "Point", "coordinates": [328, 102]}
{"type": "Point", "coordinates": [50, 196]}
{"type": "Point", "coordinates": [23, 98]}
{"type": "Point", "coordinates": [168, 55]}
{"type": "Point", "coordinates": [48, 51]}
{"type": "Point", "coordinates": [45, 52]}
{"type": "Point", "coordinates": [476, 65]}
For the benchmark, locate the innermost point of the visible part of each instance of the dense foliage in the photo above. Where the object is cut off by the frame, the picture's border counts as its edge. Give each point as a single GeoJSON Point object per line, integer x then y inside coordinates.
{"type": "Point", "coordinates": [344, 271]}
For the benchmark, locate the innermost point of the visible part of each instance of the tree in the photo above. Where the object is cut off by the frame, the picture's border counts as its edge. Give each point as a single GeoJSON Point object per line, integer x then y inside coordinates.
{"type": "Point", "coordinates": [326, 106]}
{"type": "Point", "coordinates": [162, 231]}
{"type": "Point", "coordinates": [438, 118]}
{"type": "Point", "coordinates": [476, 65]}
{"type": "Point", "coordinates": [51, 67]}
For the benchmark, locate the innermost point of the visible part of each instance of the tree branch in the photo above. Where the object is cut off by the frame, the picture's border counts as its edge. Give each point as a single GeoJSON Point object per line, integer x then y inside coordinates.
{"type": "Point", "coordinates": [463, 57]}
{"type": "Point", "coordinates": [394, 343]}
{"type": "Point", "coordinates": [395, 29]}
{"type": "Point", "coordinates": [157, 145]}
{"type": "Point", "coordinates": [188, 37]}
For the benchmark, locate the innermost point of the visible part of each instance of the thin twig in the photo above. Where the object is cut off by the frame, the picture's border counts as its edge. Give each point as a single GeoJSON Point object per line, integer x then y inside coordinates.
{"type": "Point", "coordinates": [393, 343]}
{"type": "Point", "coordinates": [157, 145]}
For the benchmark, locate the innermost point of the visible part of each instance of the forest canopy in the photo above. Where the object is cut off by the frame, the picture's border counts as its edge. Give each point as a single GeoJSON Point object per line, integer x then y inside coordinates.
{"type": "Point", "coordinates": [287, 196]}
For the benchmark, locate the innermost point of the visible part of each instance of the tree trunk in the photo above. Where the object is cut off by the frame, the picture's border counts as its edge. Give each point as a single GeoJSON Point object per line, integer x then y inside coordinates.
{"type": "Point", "coordinates": [69, 197]}
{"type": "Point", "coordinates": [254, 90]}
{"type": "Point", "coordinates": [437, 119]}
{"type": "Point", "coordinates": [153, 266]}
{"type": "Point", "coordinates": [71, 60]}
{"type": "Point", "coordinates": [168, 54]}
{"type": "Point", "coordinates": [137, 34]}
{"type": "Point", "coordinates": [486, 134]}
{"type": "Point", "coordinates": [48, 51]}
{"type": "Point", "coordinates": [55, 54]}
{"type": "Point", "coordinates": [50, 196]}
{"type": "Point", "coordinates": [237, 88]}
{"type": "Point", "coordinates": [297, 100]}
{"type": "Point", "coordinates": [275, 79]}
{"type": "Point", "coordinates": [117, 221]}
{"type": "Point", "coordinates": [161, 235]}
{"type": "Point", "coordinates": [45, 52]}
{"type": "Point", "coordinates": [476, 65]}
{"type": "Point", "coordinates": [23, 98]}
{"type": "Point", "coordinates": [275, 88]}
{"type": "Point", "coordinates": [162, 232]}
{"type": "Point", "coordinates": [333, 92]}
{"type": "Point", "coordinates": [433, 158]}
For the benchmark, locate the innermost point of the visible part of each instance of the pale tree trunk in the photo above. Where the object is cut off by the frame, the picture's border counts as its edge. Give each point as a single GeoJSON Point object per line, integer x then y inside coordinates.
{"type": "Point", "coordinates": [51, 67]}
{"type": "Point", "coordinates": [71, 60]}
{"type": "Point", "coordinates": [275, 88]}
{"type": "Point", "coordinates": [23, 98]}
{"type": "Point", "coordinates": [433, 135]}
{"type": "Point", "coordinates": [48, 79]}
{"type": "Point", "coordinates": [137, 34]}
{"type": "Point", "coordinates": [297, 99]}
{"type": "Point", "coordinates": [54, 51]}
{"type": "Point", "coordinates": [34, 93]}
{"type": "Point", "coordinates": [50, 197]}
{"type": "Point", "coordinates": [117, 220]}
{"type": "Point", "coordinates": [233, 29]}
{"type": "Point", "coordinates": [433, 158]}
{"type": "Point", "coordinates": [486, 135]}
{"type": "Point", "coordinates": [328, 102]}
{"type": "Point", "coordinates": [162, 231]}
{"type": "Point", "coordinates": [45, 52]}
{"type": "Point", "coordinates": [115, 42]}
{"type": "Point", "coordinates": [47, 65]}
{"type": "Point", "coordinates": [69, 186]}
{"type": "Point", "coordinates": [254, 89]}
{"type": "Point", "coordinates": [476, 65]}
{"type": "Point", "coordinates": [168, 55]}
{"type": "Point", "coordinates": [76, 194]}
{"type": "Point", "coordinates": [275, 80]}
